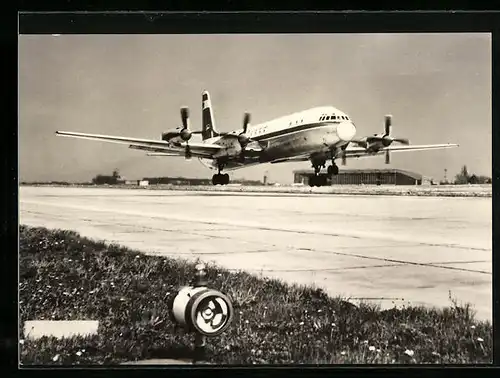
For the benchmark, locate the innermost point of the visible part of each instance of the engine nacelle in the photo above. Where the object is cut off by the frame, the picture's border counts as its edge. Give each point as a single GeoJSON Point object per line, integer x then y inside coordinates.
{"type": "Point", "coordinates": [177, 136]}
{"type": "Point", "coordinates": [169, 135]}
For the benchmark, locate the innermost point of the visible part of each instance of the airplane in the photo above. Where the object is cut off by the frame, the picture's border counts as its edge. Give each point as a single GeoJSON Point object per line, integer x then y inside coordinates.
{"type": "Point", "coordinates": [318, 135]}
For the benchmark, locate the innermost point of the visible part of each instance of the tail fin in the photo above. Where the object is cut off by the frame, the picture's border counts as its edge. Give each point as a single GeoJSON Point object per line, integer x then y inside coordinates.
{"type": "Point", "coordinates": [208, 129]}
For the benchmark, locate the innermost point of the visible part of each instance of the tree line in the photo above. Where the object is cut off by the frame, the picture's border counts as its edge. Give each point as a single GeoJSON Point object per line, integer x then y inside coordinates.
{"type": "Point", "coordinates": [103, 179]}
{"type": "Point", "coordinates": [465, 178]}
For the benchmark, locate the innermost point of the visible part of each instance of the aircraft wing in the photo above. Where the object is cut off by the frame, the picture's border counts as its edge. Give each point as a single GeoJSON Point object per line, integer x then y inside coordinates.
{"type": "Point", "coordinates": [361, 152]}
{"type": "Point", "coordinates": [162, 154]}
{"type": "Point", "coordinates": [292, 159]}
{"type": "Point", "coordinates": [197, 149]}
{"type": "Point", "coordinates": [357, 152]}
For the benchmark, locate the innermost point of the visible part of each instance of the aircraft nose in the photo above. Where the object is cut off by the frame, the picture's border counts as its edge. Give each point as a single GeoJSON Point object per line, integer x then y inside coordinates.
{"type": "Point", "coordinates": [346, 131]}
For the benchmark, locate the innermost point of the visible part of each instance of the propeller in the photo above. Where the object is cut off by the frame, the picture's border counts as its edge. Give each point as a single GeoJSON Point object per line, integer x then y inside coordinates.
{"type": "Point", "coordinates": [386, 139]}
{"type": "Point", "coordinates": [388, 124]}
{"type": "Point", "coordinates": [185, 133]}
{"type": "Point", "coordinates": [343, 155]}
{"type": "Point", "coordinates": [243, 139]}
{"type": "Point", "coordinates": [402, 141]}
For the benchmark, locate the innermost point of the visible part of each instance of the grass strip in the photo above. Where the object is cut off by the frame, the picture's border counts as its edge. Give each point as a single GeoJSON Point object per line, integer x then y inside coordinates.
{"type": "Point", "coordinates": [64, 276]}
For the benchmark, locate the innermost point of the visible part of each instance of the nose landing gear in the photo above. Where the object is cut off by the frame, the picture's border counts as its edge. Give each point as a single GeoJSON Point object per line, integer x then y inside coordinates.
{"type": "Point", "coordinates": [220, 179]}
{"type": "Point", "coordinates": [317, 179]}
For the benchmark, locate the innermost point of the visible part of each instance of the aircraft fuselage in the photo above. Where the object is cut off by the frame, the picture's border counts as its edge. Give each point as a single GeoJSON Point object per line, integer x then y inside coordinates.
{"type": "Point", "coordinates": [323, 129]}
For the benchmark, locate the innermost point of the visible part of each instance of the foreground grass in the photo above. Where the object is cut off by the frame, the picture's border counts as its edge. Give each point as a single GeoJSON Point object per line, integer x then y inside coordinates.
{"type": "Point", "coordinates": [66, 277]}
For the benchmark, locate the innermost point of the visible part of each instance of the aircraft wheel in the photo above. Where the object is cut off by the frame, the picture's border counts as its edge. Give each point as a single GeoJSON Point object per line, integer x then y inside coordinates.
{"type": "Point", "coordinates": [215, 179]}
{"type": "Point", "coordinates": [225, 179]}
{"type": "Point", "coordinates": [333, 170]}
{"type": "Point", "coordinates": [312, 181]}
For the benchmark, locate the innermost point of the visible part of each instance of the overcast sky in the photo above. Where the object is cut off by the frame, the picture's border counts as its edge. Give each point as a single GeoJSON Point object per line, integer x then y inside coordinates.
{"type": "Point", "coordinates": [436, 86]}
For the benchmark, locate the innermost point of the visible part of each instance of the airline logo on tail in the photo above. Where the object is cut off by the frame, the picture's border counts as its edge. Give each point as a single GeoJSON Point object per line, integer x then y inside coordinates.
{"type": "Point", "coordinates": [207, 127]}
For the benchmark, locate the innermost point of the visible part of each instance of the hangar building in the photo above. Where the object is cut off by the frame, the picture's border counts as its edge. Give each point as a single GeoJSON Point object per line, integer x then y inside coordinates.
{"type": "Point", "coordinates": [364, 176]}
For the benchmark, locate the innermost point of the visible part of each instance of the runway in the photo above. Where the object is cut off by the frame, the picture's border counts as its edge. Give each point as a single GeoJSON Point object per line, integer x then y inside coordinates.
{"type": "Point", "coordinates": [390, 250]}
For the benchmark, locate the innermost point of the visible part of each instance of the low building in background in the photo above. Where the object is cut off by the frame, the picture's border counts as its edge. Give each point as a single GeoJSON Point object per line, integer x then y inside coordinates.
{"type": "Point", "coordinates": [364, 177]}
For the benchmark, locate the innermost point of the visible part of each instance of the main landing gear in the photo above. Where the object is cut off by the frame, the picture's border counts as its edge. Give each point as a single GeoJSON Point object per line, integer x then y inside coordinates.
{"type": "Point", "coordinates": [318, 180]}
{"type": "Point", "coordinates": [222, 179]}
{"type": "Point", "coordinates": [333, 169]}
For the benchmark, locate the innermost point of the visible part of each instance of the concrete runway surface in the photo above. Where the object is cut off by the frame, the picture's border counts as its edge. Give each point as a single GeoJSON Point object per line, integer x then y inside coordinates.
{"type": "Point", "coordinates": [391, 250]}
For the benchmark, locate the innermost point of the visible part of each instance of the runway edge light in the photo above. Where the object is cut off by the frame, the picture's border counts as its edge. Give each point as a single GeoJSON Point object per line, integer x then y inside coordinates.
{"type": "Point", "coordinates": [204, 311]}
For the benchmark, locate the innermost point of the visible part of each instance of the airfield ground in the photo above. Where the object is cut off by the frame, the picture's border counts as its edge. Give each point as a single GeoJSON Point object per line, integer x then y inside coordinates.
{"type": "Point", "coordinates": [384, 190]}
{"type": "Point", "coordinates": [64, 276]}
{"type": "Point", "coordinates": [392, 250]}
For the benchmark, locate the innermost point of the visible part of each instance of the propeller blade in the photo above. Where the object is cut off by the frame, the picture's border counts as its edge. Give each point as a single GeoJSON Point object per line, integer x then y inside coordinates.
{"type": "Point", "coordinates": [387, 157]}
{"type": "Point", "coordinates": [185, 117]}
{"type": "Point", "coordinates": [388, 123]}
{"type": "Point", "coordinates": [344, 159]}
{"type": "Point", "coordinates": [187, 153]}
{"type": "Point", "coordinates": [402, 141]}
{"type": "Point", "coordinates": [246, 121]}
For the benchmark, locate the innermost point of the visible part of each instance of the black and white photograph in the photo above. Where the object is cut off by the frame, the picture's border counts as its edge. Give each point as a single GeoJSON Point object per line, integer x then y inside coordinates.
{"type": "Point", "coordinates": [255, 199]}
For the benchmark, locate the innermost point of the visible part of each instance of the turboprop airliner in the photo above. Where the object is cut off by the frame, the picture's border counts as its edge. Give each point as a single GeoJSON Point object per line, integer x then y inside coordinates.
{"type": "Point", "coordinates": [318, 135]}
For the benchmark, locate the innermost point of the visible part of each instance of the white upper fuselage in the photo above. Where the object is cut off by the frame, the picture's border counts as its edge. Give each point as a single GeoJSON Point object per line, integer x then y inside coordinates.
{"type": "Point", "coordinates": [323, 128]}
